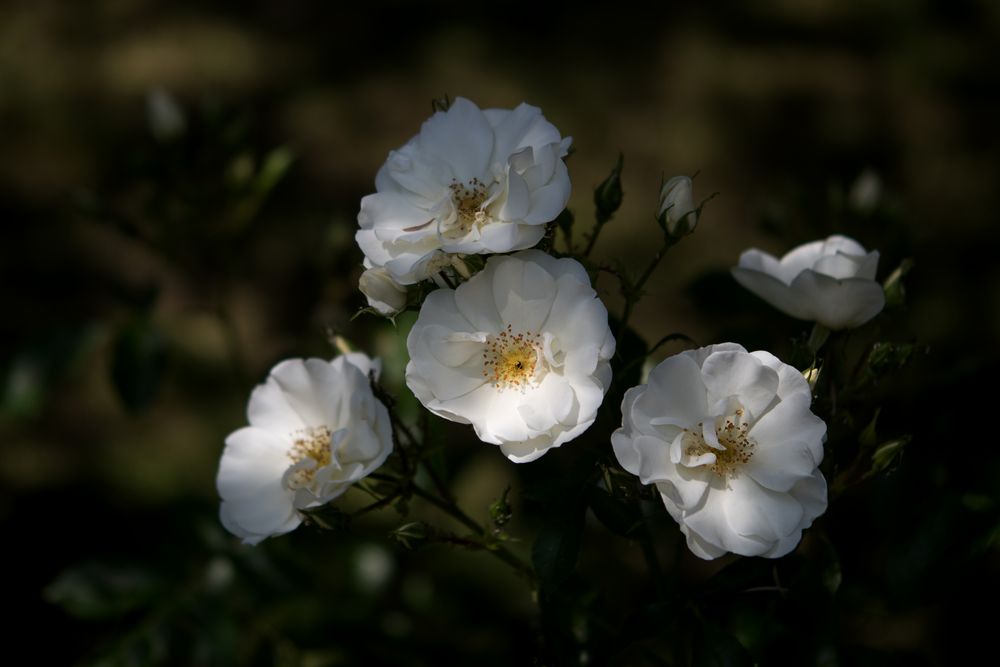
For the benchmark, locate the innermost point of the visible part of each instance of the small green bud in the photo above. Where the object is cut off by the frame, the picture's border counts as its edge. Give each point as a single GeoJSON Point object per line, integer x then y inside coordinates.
{"type": "Point", "coordinates": [895, 292]}
{"type": "Point", "coordinates": [500, 509]}
{"type": "Point", "coordinates": [608, 195]}
{"type": "Point", "coordinates": [412, 535]}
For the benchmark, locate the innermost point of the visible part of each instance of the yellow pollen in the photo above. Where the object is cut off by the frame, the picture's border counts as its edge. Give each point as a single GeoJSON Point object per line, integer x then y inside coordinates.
{"type": "Point", "coordinates": [511, 359]}
{"type": "Point", "coordinates": [309, 443]}
{"type": "Point", "coordinates": [732, 434]}
{"type": "Point", "coordinates": [468, 199]}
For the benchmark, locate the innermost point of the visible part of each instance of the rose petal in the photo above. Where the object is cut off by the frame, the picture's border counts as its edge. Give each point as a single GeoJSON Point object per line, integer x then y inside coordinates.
{"type": "Point", "coordinates": [839, 304]}
{"type": "Point", "coordinates": [461, 138]}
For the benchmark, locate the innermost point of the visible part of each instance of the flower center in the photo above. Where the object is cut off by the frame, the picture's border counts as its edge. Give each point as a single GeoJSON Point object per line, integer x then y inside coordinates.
{"type": "Point", "coordinates": [511, 359]}
{"type": "Point", "coordinates": [310, 445]}
{"type": "Point", "coordinates": [736, 446]}
{"type": "Point", "coordinates": [468, 199]}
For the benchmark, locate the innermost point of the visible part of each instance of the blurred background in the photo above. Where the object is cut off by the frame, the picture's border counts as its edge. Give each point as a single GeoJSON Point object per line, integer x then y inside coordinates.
{"type": "Point", "coordinates": [179, 185]}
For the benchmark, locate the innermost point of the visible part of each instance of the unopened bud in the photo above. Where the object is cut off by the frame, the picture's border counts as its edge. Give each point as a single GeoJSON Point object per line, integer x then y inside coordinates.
{"type": "Point", "coordinates": [384, 294]}
{"type": "Point", "coordinates": [678, 215]}
{"type": "Point", "coordinates": [608, 195]}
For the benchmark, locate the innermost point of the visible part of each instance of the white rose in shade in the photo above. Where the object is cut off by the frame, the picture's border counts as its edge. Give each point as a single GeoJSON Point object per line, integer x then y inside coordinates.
{"type": "Point", "coordinates": [472, 182]}
{"type": "Point", "coordinates": [521, 351]}
{"type": "Point", "coordinates": [831, 282]}
{"type": "Point", "coordinates": [315, 429]}
{"type": "Point", "coordinates": [677, 208]}
{"type": "Point", "coordinates": [383, 293]}
{"type": "Point", "coordinates": [728, 439]}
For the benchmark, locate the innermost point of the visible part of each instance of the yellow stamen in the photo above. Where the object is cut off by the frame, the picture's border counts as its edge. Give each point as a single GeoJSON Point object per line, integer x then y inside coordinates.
{"type": "Point", "coordinates": [511, 359]}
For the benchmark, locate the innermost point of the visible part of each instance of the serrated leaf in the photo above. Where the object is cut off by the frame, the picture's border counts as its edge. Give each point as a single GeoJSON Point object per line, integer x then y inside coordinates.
{"type": "Point", "coordinates": [412, 535]}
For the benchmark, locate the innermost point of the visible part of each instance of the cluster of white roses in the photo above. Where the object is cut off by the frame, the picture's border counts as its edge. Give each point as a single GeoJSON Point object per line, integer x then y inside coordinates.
{"type": "Point", "coordinates": [522, 350]}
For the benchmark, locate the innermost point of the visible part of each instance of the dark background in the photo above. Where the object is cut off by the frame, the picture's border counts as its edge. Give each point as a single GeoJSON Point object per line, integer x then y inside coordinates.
{"type": "Point", "coordinates": [149, 279]}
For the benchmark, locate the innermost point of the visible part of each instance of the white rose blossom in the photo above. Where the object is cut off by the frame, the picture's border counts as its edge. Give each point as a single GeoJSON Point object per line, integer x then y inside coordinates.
{"type": "Point", "coordinates": [729, 441]}
{"type": "Point", "coordinates": [315, 429]}
{"type": "Point", "coordinates": [830, 281]}
{"type": "Point", "coordinates": [472, 182]}
{"type": "Point", "coordinates": [521, 351]}
{"type": "Point", "coordinates": [383, 293]}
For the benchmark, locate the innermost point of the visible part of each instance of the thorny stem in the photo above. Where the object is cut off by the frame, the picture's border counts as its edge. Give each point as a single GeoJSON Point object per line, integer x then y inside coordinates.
{"type": "Point", "coordinates": [449, 507]}
{"type": "Point", "coordinates": [834, 352]}
{"type": "Point", "coordinates": [500, 551]}
{"type": "Point", "coordinates": [568, 237]}
{"type": "Point", "coordinates": [378, 504]}
{"type": "Point", "coordinates": [439, 484]}
{"type": "Point", "coordinates": [633, 291]}
{"type": "Point", "coordinates": [652, 558]}
{"type": "Point", "coordinates": [592, 239]}
{"type": "Point", "coordinates": [401, 427]}
{"type": "Point", "coordinates": [666, 339]}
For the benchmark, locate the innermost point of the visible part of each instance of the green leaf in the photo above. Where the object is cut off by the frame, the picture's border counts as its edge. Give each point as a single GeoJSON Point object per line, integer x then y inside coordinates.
{"type": "Point", "coordinates": [96, 591]}
{"type": "Point", "coordinates": [869, 437]}
{"type": "Point", "coordinates": [713, 647]}
{"type": "Point", "coordinates": [817, 337]}
{"type": "Point", "coordinates": [412, 535]}
{"type": "Point", "coordinates": [139, 360]}
{"type": "Point", "coordinates": [617, 515]}
{"type": "Point", "coordinates": [739, 576]}
{"type": "Point", "coordinates": [886, 358]}
{"type": "Point", "coordinates": [888, 455]}
{"type": "Point", "coordinates": [273, 169]}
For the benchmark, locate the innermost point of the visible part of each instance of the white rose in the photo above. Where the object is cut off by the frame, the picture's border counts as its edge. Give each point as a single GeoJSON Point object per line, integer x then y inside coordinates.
{"type": "Point", "coordinates": [315, 429]}
{"type": "Point", "coordinates": [472, 182]}
{"type": "Point", "coordinates": [521, 351]}
{"type": "Point", "coordinates": [383, 293]}
{"type": "Point", "coordinates": [677, 209]}
{"type": "Point", "coordinates": [728, 438]}
{"type": "Point", "coordinates": [831, 282]}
